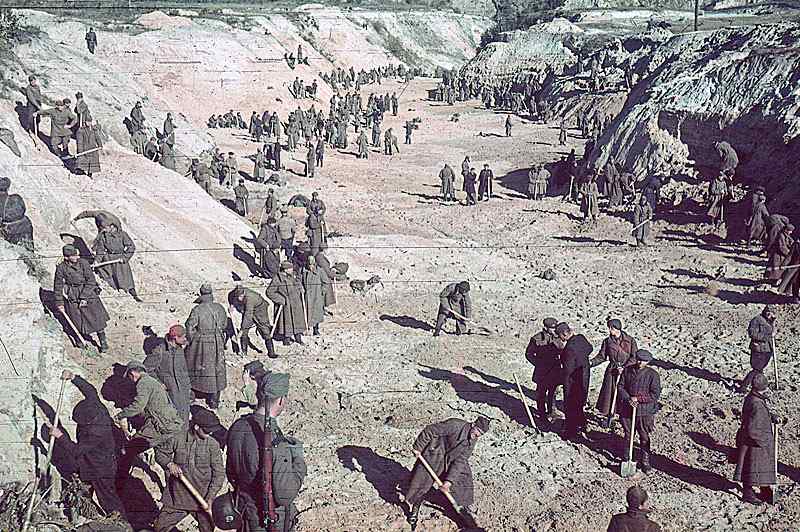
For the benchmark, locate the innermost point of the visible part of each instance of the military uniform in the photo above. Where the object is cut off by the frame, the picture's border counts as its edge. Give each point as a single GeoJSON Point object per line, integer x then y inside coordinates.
{"type": "Point", "coordinates": [241, 193]}
{"type": "Point", "coordinates": [452, 299]}
{"type": "Point", "coordinates": [116, 245]}
{"type": "Point", "coordinates": [255, 313]}
{"type": "Point", "coordinates": [168, 364]}
{"type": "Point", "coordinates": [287, 293]}
{"type": "Point", "coordinates": [61, 123]}
{"type": "Point", "coordinates": [161, 421]}
{"type": "Point", "coordinates": [543, 352]}
{"type": "Point", "coordinates": [205, 352]}
{"type": "Point", "coordinates": [75, 288]}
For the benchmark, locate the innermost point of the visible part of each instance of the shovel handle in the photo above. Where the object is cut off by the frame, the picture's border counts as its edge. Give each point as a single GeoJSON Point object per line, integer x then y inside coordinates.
{"type": "Point", "coordinates": [633, 433]}
{"type": "Point", "coordinates": [436, 480]}
{"type": "Point", "coordinates": [199, 498]}
{"type": "Point", "coordinates": [613, 401]}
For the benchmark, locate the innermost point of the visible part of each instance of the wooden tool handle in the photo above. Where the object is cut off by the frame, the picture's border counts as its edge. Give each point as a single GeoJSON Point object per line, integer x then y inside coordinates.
{"type": "Point", "coordinates": [199, 498]}
{"type": "Point", "coordinates": [436, 480]}
{"type": "Point", "coordinates": [633, 433]}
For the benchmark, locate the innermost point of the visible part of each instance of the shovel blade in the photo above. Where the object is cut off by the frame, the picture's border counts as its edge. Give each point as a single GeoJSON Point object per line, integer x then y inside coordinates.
{"type": "Point", "coordinates": [627, 469]}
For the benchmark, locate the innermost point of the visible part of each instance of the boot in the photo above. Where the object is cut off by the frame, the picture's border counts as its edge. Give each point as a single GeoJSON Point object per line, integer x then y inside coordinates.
{"type": "Point", "coordinates": [316, 330]}
{"type": "Point", "coordinates": [748, 495]}
{"type": "Point", "coordinates": [101, 337]}
{"type": "Point", "coordinates": [136, 297]}
{"type": "Point", "coordinates": [413, 517]}
{"type": "Point", "coordinates": [270, 348]}
{"type": "Point", "coordinates": [299, 339]}
{"type": "Point", "coordinates": [765, 494]}
{"type": "Point", "coordinates": [645, 462]}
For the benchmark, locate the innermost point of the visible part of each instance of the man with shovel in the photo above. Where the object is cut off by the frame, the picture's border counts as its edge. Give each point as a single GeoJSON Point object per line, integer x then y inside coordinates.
{"type": "Point", "coordinates": [454, 302]}
{"type": "Point", "coordinates": [193, 458]}
{"type": "Point", "coordinates": [446, 448]}
{"type": "Point", "coordinates": [76, 296]}
{"type": "Point", "coordinates": [638, 392]}
{"type": "Point", "coordinates": [620, 350]}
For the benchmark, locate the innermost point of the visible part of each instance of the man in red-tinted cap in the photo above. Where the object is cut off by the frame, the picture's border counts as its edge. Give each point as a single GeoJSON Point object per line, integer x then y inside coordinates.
{"type": "Point", "coordinates": [167, 363]}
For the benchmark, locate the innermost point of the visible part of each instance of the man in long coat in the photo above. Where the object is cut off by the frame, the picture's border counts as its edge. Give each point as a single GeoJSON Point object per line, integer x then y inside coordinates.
{"type": "Point", "coordinates": [255, 313]}
{"type": "Point", "coordinates": [205, 352]}
{"type": "Point", "coordinates": [314, 280]}
{"type": "Point", "coordinates": [241, 194]}
{"type": "Point", "coordinates": [454, 298]}
{"type": "Point", "coordinates": [642, 218]}
{"type": "Point", "coordinates": [91, 40]}
{"type": "Point", "coordinates": [446, 446]}
{"type": "Point", "coordinates": [619, 349]}
{"type": "Point", "coordinates": [330, 289]}
{"type": "Point", "coordinates": [167, 363]}
{"type": "Point", "coordinates": [166, 157]}
{"type": "Point", "coordinates": [485, 183]}
{"type": "Point", "coordinates": [755, 444]}
{"type": "Point", "coordinates": [33, 97]}
{"type": "Point", "coordinates": [95, 451]}
{"type": "Point", "coordinates": [538, 181]}
{"type": "Point", "coordinates": [640, 385]}
{"type": "Point", "coordinates": [137, 117]}
{"type": "Point", "coordinates": [267, 244]}
{"type": "Point", "coordinates": [75, 292]}
{"type": "Point", "coordinates": [259, 167]}
{"type": "Point", "coordinates": [780, 254]}
{"type": "Point", "coordinates": [363, 148]}
{"type": "Point", "coordinates": [88, 138]}
{"type": "Point", "coordinates": [789, 283]}
{"type": "Point", "coordinates": [314, 231]}
{"type": "Point", "coordinates": [717, 197]}
{"type": "Point", "coordinates": [575, 378]}
{"type": "Point", "coordinates": [543, 352]}
{"type": "Point", "coordinates": [169, 131]}
{"type": "Point", "coordinates": [112, 243]}
{"type": "Point", "coordinates": [757, 223]}
{"type": "Point", "coordinates": [590, 206]}
{"type": "Point", "coordinates": [448, 178]}
{"type": "Point", "coordinates": [196, 456]}
{"type": "Point", "coordinates": [285, 292]}
{"type": "Point", "coordinates": [469, 187]}
{"type": "Point", "coordinates": [775, 225]}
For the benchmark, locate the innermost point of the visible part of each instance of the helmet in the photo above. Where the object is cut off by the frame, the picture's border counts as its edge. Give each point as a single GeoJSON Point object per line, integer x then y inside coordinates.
{"type": "Point", "coordinates": [226, 515]}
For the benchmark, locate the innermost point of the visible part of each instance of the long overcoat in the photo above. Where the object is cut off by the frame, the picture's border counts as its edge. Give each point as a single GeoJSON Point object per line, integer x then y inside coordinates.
{"type": "Point", "coordinates": [755, 443]}
{"type": "Point", "coordinates": [446, 447]}
{"type": "Point", "coordinates": [115, 245]}
{"type": "Point", "coordinates": [314, 286]}
{"type": "Point", "coordinates": [205, 352]}
{"type": "Point", "coordinates": [88, 138]}
{"type": "Point", "coordinates": [74, 284]}
{"type": "Point", "coordinates": [286, 292]}
{"type": "Point", "coordinates": [618, 352]}
{"type": "Point", "coordinates": [167, 363]}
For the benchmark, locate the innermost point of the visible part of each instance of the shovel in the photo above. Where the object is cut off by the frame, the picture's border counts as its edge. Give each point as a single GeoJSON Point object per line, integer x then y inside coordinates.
{"type": "Point", "coordinates": [611, 412]}
{"type": "Point", "coordinates": [774, 490]}
{"type": "Point", "coordinates": [628, 469]}
{"type": "Point", "coordinates": [196, 495]}
{"type": "Point", "coordinates": [524, 400]}
{"type": "Point", "coordinates": [481, 327]}
{"type": "Point", "coordinates": [437, 482]}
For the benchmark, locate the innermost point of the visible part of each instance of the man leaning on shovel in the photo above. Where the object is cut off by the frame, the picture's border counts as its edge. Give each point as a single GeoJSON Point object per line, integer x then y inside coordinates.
{"type": "Point", "coordinates": [446, 448]}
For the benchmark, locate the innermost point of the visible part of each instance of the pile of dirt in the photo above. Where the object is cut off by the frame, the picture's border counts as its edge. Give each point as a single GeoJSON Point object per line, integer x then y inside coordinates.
{"type": "Point", "coordinates": [158, 20]}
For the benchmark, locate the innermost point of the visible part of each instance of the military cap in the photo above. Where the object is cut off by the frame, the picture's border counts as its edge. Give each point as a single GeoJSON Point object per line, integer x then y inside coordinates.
{"type": "Point", "coordinates": [563, 328]}
{"type": "Point", "coordinates": [481, 424]}
{"type": "Point", "coordinates": [205, 289]}
{"type": "Point", "coordinates": [463, 286]}
{"type": "Point", "coordinates": [206, 420]}
{"type": "Point", "coordinates": [5, 184]}
{"type": "Point", "coordinates": [550, 323]}
{"type": "Point", "coordinates": [272, 386]}
{"type": "Point", "coordinates": [69, 250]}
{"type": "Point", "coordinates": [644, 355]}
{"type": "Point", "coordinates": [135, 365]}
{"type": "Point", "coordinates": [254, 366]}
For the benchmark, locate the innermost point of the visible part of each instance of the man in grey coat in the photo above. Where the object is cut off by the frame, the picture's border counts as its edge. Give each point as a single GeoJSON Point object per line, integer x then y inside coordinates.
{"type": "Point", "coordinates": [285, 292]}
{"type": "Point", "coordinates": [205, 352]}
{"type": "Point", "coordinates": [255, 313]}
{"type": "Point", "coordinates": [114, 244]}
{"type": "Point", "coordinates": [314, 281]}
{"type": "Point", "coordinates": [455, 303]}
{"type": "Point", "coordinates": [760, 330]}
{"type": "Point", "coordinates": [639, 385]}
{"type": "Point", "coordinates": [167, 363]}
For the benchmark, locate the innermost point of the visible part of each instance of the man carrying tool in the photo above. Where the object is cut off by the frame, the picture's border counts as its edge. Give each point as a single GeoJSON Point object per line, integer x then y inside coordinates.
{"type": "Point", "coordinates": [33, 97]}
{"type": "Point", "coordinates": [446, 447]}
{"type": "Point", "coordinates": [266, 468]}
{"type": "Point", "coordinates": [755, 444]}
{"type": "Point", "coordinates": [255, 313]}
{"type": "Point", "coordinates": [161, 424]}
{"type": "Point", "coordinates": [642, 217]}
{"type": "Point", "coordinates": [760, 330]}
{"type": "Point", "coordinates": [241, 193]}
{"type": "Point", "coordinates": [194, 455]}
{"type": "Point", "coordinates": [287, 294]}
{"type": "Point", "coordinates": [76, 296]}
{"type": "Point", "coordinates": [619, 349]}
{"type": "Point", "coordinates": [543, 352]}
{"type": "Point", "coordinates": [640, 386]}
{"type": "Point", "coordinates": [455, 303]}
{"type": "Point", "coordinates": [95, 452]}
{"type": "Point", "coordinates": [115, 247]}
{"type": "Point", "coordinates": [205, 352]}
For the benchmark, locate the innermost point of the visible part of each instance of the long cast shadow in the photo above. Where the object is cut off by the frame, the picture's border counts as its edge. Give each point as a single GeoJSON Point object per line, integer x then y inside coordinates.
{"type": "Point", "coordinates": [477, 392]}
{"type": "Point", "coordinates": [697, 373]}
{"type": "Point", "coordinates": [407, 321]}
{"type": "Point", "coordinates": [383, 473]}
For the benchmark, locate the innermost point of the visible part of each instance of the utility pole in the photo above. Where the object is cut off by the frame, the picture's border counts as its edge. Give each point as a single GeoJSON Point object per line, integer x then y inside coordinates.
{"type": "Point", "coordinates": [696, 11]}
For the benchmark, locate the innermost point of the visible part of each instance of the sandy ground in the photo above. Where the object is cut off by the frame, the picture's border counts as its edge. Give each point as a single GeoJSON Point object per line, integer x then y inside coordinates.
{"type": "Point", "coordinates": [364, 389]}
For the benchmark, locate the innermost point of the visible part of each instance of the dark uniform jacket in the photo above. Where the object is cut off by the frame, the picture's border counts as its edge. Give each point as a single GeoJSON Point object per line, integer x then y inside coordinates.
{"type": "Point", "coordinates": [575, 370]}
{"type": "Point", "coordinates": [760, 332]}
{"type": "Point", "coordinates": [632, 521]}
{"type": "Point", "coordinates": [73, 285]}
{"type": "Point", "coordinates": [755, 443]}
{"type": "Point", "coordinates": [645, 385]}
{"type": "Point", "coordinates": [543, 353]}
